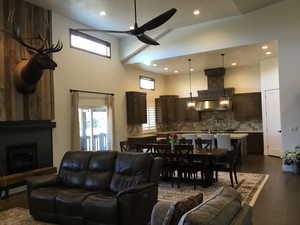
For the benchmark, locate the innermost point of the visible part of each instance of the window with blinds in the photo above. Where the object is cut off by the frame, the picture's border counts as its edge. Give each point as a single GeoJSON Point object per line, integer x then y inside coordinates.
{"type": "Point", "coordinates": [151, 120]}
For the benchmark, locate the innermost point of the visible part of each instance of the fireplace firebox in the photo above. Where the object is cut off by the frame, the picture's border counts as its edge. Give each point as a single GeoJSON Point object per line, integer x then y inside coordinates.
{"type": "Point", "coordinates": [21, 158]}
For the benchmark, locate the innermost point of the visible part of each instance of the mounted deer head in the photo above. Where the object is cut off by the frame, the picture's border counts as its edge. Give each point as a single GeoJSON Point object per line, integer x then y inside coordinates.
{"type": "Point", "coordinates": [29, 71]}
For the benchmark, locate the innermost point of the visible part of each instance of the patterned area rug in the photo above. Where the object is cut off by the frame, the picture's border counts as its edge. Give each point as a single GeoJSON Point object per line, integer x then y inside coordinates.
{"type": "Point", "coordinates": [250, 186]}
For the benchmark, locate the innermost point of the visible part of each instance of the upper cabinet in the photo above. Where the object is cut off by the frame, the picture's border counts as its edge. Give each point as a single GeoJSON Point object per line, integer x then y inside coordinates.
{"type": "Point", "coordinates": [170, 108]}
{"type": "Point", "coordinates": [136, 107]}
{"type": "Point", "coordinates": [185, 114]}
{"type": "Point", "coordinates": [247, 106]}
{"type": "Point", "coordinates": [166, 109]}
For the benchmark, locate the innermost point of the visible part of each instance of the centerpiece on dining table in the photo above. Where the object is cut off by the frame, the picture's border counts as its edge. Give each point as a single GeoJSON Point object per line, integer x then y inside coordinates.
{"type": "Point", "coordinates": [173, 139]}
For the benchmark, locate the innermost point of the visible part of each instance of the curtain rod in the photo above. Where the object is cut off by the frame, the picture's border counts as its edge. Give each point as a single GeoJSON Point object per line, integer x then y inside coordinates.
{"type": "Point", "coordinates": [92, 92]}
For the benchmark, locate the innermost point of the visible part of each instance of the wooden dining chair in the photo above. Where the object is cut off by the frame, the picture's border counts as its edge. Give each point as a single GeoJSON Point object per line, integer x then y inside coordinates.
{"type": "Point", "coordinates": [185, 164]}
{"type": "Point", "coordinates": [209, 138]}
{"type": "Point", "coordinates": [146, 147]}
{"type": "Point", "coordinates": [185, 141]}
{"type": "Point", "coordinates": [127, 146]}
{"type": "Point", "coordinates": [169, 161]}
{"type": "Point", "coordinates": [228, 164]}
{"type": "Point", "coordinates": [204, 144]}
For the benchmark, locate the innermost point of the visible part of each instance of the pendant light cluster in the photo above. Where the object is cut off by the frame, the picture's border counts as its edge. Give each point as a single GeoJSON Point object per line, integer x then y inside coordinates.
{"type": "Point", "coordinates": [191, 103]}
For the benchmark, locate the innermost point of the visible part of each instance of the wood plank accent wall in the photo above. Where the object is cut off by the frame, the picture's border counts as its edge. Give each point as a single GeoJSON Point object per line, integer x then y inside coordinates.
{"type": "Point", "coordinates": [32, 20]}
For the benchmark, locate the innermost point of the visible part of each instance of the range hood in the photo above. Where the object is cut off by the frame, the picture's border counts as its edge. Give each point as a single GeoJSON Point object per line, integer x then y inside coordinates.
{"type": "Point", "coordinates": [216, 98]}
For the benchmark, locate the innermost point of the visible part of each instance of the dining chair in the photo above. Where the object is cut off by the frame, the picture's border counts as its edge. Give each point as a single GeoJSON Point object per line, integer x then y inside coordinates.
{"type": "Point", "coordinates": [184, 141]}
{"type": "Point", "coordinates": [210, 137]}
{"type": "Point", "coordinates": [192, 137]}
{"type": "Point", "coordinates": [146, 147]}
{"type": "Point", "coordinates": [203, 144]}
{"type": "Point", "coordinates": [127, 146]}
{"type": "Point", "coordinates": [185, 164]}
{"type": "Point", "coordinates": [228, 164]}
{"type": "Point", "coordinates": [169, 161]}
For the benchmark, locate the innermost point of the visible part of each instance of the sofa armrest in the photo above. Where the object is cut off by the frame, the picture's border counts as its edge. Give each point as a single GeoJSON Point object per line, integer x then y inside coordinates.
{"type": "Point", "coordinates": [160, 211]}
{"type": "Point", "coordinates": [244, 217]}
{"type": "Point", "coordinates": [135, 204]}
{"type": "Point", "coordinates": [41, 181]}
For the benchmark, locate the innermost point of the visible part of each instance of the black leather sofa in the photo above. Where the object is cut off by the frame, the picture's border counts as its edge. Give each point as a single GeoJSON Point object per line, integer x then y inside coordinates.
{"type": "Point", "coordinates": [97, 188]}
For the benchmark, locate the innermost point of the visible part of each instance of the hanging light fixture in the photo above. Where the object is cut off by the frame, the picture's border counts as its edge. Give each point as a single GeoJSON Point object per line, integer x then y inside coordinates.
{"type": "Point", "coordinates": [191, 103]}
{"type": "Point", "coordinates": [224, 101]}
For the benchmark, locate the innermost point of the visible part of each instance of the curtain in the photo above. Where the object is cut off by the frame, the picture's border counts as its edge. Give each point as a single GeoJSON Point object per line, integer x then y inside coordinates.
{"type": "Point", "coordinates": [109, 101]}
{"type": "Point", "coordinates": [75, 133]}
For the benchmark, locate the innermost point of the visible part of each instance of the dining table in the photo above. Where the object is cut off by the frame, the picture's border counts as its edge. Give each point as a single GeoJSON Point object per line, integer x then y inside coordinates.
{"type": "Point", "coordinates": [207, 157]}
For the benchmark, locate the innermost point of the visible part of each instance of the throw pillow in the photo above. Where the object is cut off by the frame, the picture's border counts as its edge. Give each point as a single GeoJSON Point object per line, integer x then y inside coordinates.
{"type": "Point", "coordinates": [177, 210]}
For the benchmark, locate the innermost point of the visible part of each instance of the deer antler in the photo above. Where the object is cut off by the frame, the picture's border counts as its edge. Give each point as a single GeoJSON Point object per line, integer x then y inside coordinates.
{"type": "Point", "coordinates": [44, 49]}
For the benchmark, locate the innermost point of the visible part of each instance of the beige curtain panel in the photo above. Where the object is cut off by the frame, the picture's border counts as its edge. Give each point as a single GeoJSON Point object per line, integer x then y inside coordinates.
{"type": "Point", "coordinates": [109, 101]}
{"type": "Point", "coordinates": [75, 132]}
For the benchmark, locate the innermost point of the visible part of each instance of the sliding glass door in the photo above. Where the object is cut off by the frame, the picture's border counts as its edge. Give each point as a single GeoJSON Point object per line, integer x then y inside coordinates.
{"type": "Point", "coordinates": [93, 128]}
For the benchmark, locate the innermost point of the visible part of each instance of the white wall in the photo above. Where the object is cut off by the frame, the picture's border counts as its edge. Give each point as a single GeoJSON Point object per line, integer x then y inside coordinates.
{"type": "Point", "coordinates": [280, 22]}
{"type": "Point", "coordinates": [80, 70]}
{"type": "Point", "coordinates": [244, 79]}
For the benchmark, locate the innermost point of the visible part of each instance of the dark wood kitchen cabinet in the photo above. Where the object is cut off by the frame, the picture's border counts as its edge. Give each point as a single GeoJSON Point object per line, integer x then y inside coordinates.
{"type": "Point", "coordinates": [255, 143]}
{"type": "Point", "coordinates": [185, 114]}
{"type": "Point", "coordinates": [136, 107]}
{"type": "Point", "coordinates": [247, 106]}
{"type": "Point", "coordinates": [166, 109]}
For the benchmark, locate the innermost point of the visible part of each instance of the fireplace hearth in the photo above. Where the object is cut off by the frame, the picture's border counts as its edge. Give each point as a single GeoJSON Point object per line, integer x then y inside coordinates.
{"type": "Point", "coordinates": [25, 145]}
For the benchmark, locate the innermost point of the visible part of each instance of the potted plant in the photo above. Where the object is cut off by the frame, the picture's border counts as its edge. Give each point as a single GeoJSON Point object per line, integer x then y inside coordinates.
{"type": "Point", "coordinates": [291, 162]}
{"type": "Point", "coordinates": [173, 139]}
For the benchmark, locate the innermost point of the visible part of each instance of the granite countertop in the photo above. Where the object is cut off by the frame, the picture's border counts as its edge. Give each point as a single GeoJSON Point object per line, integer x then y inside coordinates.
{"type": "Point", "coordinates": [201, 131]}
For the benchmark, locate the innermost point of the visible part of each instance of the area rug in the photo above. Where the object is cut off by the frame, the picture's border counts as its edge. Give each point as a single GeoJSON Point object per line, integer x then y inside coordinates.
{"type": "Point", "coordinates": [250, 186]}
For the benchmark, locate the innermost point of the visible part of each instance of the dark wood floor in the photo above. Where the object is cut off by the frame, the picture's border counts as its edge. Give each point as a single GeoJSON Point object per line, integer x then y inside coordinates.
{"type": "Point", "coordinates": [278, 203]}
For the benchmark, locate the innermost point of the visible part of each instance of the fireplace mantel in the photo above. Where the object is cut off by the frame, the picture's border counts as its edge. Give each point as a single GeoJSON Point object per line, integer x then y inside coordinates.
{"type": "Point", "coordinates": [27, 124]}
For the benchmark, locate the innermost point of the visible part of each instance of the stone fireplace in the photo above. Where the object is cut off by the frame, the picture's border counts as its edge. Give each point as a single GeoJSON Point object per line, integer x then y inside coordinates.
{"type": "Point", "coordinates": [25, 145]}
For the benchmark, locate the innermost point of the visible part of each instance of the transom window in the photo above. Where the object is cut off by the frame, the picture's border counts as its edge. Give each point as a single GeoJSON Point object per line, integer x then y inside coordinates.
{"type": "Point", "coordinates": [89, 44]}
{"type": "Point", "coordinates": [147, 83]}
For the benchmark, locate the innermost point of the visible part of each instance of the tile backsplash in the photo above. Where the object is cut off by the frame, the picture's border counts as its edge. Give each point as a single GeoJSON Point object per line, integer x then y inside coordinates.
{"type": "Point", "coordinates": [214, 121]}
{"type": "Point", "coordinates": [209, 120]}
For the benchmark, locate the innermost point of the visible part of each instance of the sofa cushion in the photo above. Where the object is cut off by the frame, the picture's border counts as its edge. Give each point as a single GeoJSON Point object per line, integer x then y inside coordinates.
{"type": "Point", "coordinates": [219, 209]}
{"type": "Point", "coordinates": [177, 210]}
{"type": "Point", "coordinates": [101, 208]}
{"type": "Point", "coordinates": [68, 201]}
{"type": "Point", "coordinates": [131, 169]}
{"type": "Point", "coordinates": [44, 199]}
{"type": "Point", "coordinates": [73, 169]}
{"type": "Point", "coordinates": [100, 170]}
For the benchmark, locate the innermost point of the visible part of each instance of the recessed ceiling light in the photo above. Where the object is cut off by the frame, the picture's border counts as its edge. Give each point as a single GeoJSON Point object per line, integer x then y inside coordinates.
{"type": "Point", "coordinates": [155, 65]}
{"type": "Point", "coordinates": [268, 53]}
{"type": "Point", "coordinates": [234, 64]}
{"type": "Point", "coordinates": [131, 27]}
{"type": "Point", "coordinates": [148, 63]}
{"type": "Point", "coordinates": [176, 71]}
{"type": "Point", "coordinates": [264, 47]}
{"type": "Point", "coordinates": [102, 13]}
{"type": "Point", "coordinates": [192, 70]}
{"type": "Point", "coordinates": [196, 12]}
{"type": "Point", "coordinates": [166, 68]}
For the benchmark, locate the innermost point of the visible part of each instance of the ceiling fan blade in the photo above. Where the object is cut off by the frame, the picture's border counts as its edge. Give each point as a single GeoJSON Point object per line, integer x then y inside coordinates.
{"type": "Point", "coordinates": [146, 39]}
{"type": "Point", "coordinates": [106, 31]}
{"type": "Point", "coordinates": [158, 21]}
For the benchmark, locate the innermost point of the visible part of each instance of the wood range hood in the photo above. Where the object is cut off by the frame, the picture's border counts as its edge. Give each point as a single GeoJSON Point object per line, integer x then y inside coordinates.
{"type": "Point", "coordinates": [216, 98]}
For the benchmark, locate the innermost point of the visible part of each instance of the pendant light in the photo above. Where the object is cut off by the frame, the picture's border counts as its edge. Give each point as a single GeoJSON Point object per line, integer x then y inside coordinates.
{"type": "Point", "coordinates": [224, 101]}
{"type": "Point", "coordinates": [191, 103]}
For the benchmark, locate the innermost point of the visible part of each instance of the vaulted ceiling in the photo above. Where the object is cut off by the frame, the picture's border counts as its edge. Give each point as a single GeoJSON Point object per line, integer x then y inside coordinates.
{"type": "Point", "coordinates": [120, 15]}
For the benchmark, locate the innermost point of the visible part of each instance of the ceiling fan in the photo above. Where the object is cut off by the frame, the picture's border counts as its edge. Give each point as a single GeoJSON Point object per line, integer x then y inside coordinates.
{"type": "Point", "coordinates": [139, 32]}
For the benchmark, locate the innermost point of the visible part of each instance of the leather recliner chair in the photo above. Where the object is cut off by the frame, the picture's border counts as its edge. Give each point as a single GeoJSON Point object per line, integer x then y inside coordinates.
{"type": "Point", "coordinates": [97, 188]}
